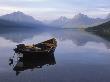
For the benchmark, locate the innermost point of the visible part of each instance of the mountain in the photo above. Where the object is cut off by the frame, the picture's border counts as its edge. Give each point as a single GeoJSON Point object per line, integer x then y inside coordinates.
{"type": "Point", "coordinates": [18, 21]}
{"type": "Point", "coordinates": [82, 20]}
{"type": "Point", "coordinates": [102, 30]}
{"type": "Point", "coordinates": [9, 26]}
{"type": "Point", "coordinates": [19, 17]}
{"type": "Point", "coordinates": [59, 22]}
{"type": "Point", "coordinates": [79, 20]}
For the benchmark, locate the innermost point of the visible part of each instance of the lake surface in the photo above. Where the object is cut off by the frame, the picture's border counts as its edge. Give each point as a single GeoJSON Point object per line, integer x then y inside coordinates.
{"type": "Point", "coordinates": [79, 57]}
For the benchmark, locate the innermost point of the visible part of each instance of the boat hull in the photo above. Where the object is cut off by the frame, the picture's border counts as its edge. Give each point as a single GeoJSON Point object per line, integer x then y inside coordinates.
{"type": "Point", "coordinates": [37, 50]}
{"type": "Point", "coordinates": [34, 54]}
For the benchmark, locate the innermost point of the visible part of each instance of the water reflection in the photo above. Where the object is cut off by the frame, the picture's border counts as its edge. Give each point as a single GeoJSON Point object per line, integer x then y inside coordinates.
{"type": "Point", "coordinates": [79, 57]}
{"type": "Point", "coordinates": [24, 64]}
{"type": "Point", "coordinates": [19, 36]}
{"type": "Point", "coordinates": [78, 37]}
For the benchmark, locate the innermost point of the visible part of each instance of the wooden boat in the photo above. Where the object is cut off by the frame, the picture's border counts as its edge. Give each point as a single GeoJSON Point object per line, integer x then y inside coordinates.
{"type": "Point", "coordinates": [43, 48]}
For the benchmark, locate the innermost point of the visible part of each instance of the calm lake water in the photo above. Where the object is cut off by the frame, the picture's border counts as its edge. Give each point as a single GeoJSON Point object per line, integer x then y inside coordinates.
{"type": "Point", "coordinates": [79, 57]}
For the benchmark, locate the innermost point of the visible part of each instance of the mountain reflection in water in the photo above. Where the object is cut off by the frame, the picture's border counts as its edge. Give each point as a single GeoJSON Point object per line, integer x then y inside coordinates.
{"type": "Point", "coordinates": [80, 57]}
{"type": "Point", "coordinates": [80, 38]}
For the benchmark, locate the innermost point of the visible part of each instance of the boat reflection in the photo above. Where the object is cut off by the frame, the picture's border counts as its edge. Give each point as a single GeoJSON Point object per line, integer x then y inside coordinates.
{"type": "Point", "coordinates": [24, 64]}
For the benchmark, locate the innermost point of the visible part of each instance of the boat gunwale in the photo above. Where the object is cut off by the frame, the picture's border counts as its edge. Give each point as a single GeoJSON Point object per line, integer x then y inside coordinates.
{"type": "Point", "coordinates": [49, 48]}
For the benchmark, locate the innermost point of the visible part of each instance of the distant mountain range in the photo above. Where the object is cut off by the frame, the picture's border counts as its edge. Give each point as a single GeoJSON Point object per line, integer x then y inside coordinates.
{"type": "Point", "coordinates": [79, 21]}
{"type": "Point", "coordinates": [19, 21]}
{"type": "Point", "coordinates": [61, 22]}
{"type": "Point", "coordinates": [19, 17]}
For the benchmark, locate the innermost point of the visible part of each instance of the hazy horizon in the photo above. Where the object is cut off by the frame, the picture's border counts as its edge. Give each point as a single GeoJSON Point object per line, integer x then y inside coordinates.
{"type": "Point", "coordinates": [52, 9]}
{"type": "Point", "coordinates": [37, 42]}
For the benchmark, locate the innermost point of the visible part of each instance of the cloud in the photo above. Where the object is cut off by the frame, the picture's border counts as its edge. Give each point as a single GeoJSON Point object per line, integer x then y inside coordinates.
{"type": "Point", "coordinates": [23, 0]}
{"type": "Point", "coordinates": [33, 0]}
{"type": "Point", "coordinates": [52, 9]}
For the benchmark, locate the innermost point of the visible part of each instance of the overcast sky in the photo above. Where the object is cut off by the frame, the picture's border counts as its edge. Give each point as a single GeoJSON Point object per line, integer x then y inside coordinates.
{"type": "Point", "coordinates": [51, 9]}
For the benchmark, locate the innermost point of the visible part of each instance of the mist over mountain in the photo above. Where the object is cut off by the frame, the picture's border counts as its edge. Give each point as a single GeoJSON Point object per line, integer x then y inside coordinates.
{"type": "Point", "coordinates": [19, 20]}
{"type": "Point", "coordinates": [78, 21]}
{"type": "Point", "coordinates": [108, 17]}
{"type": "Point", "coordinates": [59, 22]}
{"type": "Point", "coordinates": [82, 20]}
